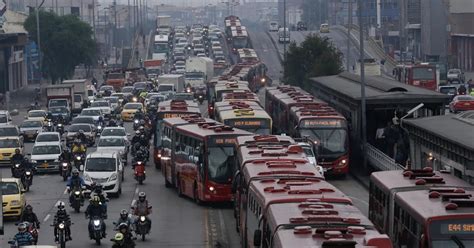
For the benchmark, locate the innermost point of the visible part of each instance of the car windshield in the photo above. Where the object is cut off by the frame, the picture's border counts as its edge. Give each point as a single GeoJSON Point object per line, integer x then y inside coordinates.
{"type": "Point", "coordinates": [111, 142]}
{"type": "Point", "coordinates": [42, 150]}
{"type": "Point", "coordinates": [10, 188]}
{"type": "Point", "coordinates": [127, 89]}
{"type": "Point", "coordinates": [47, 138]}
{"type": "Point", "coordinates": [87, 120]}
{"type": "Point", "coordinates": [57, 110]}
{"type": "Point", "coordinates": [113, 132]}
{"type": "Point", "coordinates": [31, 124]}
{"type": "Point", "coordinates": [36, 114]}
{"type": "Point", "coordinates": [132, 106]}
{"type": "Point", "coordinates": [54, 103]}
{"type": "Point", "coordinates": [3, 119]}
{"type": "Point", "coordinates": [465, 98]}
{"type": "Point", "coordinates": [452, 71]}
{"type": "Point", "coordinates": [100, 164]}
{"type": "Point", "coordinates": [8, 131]}
{"type": "Point", "coordinates": [90, 112]}
{"type": "Point", "coordinates": [448, 90]}
{"type": "Point", "coordinates": [332, 140]}
{"type": "Point", "coordinates": [221, 164]}
{"type": "Point", "coordinates": [99, 104]}
{"type": "Point", "coordinates": [104, 88]}
{"type": "Point", "coordinates": [139, 85]}
{"type": "Point", "coordinates": [423, 73]}
{"type": "Point", "coordinates": [76, 128]}
{"type": "Point", "coordinates": [9, 143]}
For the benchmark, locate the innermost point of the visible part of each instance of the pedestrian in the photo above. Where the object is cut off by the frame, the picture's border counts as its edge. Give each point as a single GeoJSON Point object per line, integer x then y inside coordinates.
{"type": "Point", "coordinates": [391, 133]}
{"type": "Point", "coordinates": [402, 148]}
{"type": "Point", "coordinates": [380, 138]}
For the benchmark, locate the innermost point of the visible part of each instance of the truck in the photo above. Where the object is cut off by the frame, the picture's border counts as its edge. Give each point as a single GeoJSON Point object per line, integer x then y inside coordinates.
{"type": "Point", "coordinates": [153, 67]}
{"type": "Point", "coordinates": [84, 90]}
{"type": "Point", "coordinates": [198, 72]}
{"type": "Point", "coordinates": [283, 35]}
{"type": "Point", "coordinates": [371, 67]}
{"type": "Point", "coordinates": [61, 95]}
{"type": "Point", "coordinates": [163, 24]}
{"type": "Point", "coordinates": [171, 82]}
{"type": "Point", "coordinates": [115, 79]}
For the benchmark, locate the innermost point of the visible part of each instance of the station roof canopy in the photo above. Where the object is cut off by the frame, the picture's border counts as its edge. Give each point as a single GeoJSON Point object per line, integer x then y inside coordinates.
{"type": "Point", "coordinates": [378, 90]}
{"type": "Point", "coordinates": [454, 128]}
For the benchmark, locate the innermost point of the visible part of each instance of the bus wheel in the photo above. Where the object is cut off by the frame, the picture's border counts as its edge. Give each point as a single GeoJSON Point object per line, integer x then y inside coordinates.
{"type": "Point", "coordinates": [196, 195]}
{"type": "Point", "coordinates": [167, 184]}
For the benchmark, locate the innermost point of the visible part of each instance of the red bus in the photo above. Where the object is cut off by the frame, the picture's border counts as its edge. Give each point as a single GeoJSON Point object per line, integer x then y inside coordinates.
{"type": "Point", "coordinates": [317, 224]}
{"type": "Point", "coordinates": [202, 157]}
{"type": "Point", "coordinates": [249, 116]}
{"type": "Point", "coordinates": [416, 208]}
{"type": "Point", "coordinates": [170, 109]}
{"type": "Point", "coordinates": [421, 75]}
{"type": "Point", "coordinates": [300, 115]}
{"type": "Point", "coordinates": [252, 71]}
{"type": "Point", "coordinates": [240, 96]}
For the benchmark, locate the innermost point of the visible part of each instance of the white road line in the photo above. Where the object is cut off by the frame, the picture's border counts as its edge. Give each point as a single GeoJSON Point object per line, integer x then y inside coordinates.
{"type": "Point", "coordinates": [65, 191]}
{"type": "Point", "coordinates": [133, 203]}
{"type": "Point", "coordinates": [46, 218]}
{"type": "Point", "coordinates": [136, 190]}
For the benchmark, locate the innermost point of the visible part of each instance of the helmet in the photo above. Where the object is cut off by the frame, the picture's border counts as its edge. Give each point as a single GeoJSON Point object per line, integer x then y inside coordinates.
{"type": "Point", "coordinates": [123, 226]}
{"type": "Point", "coordinates": [29, 208]}
{"type": "Point", "coordinates": [141, 196]}
{"type": "Point", "coordinates": [95, 199]}
{"type": "Point", "coordinates": [137, 132]}
{"type": "Point", "coordinates": [118, 237]}
{"type": "Point", "coordinates": [124, 213]}
{"type": "Point", "coordinates": [75, 172]}
{"type": "Point", "coordinates": [22, 227]}
{"type": "Point", "coordinates": [61, 205]}
{"type": "Point", "coordinates": [17, 151]}
{"type": "Point", "coordinates": [141, 128]}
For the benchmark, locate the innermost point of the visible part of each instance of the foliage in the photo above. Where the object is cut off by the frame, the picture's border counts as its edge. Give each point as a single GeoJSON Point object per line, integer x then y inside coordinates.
{"type": "Point", "coordinates": [314, 57]}
{"type": "Point", "coordinates": [66, 42]}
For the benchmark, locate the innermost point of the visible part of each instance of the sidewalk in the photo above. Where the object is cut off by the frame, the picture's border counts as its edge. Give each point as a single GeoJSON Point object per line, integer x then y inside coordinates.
{"type": "Point", "coordinates": [24, 97]}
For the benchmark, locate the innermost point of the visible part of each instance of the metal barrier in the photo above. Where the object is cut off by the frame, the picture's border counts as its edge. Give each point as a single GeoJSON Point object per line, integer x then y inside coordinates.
{"type": "Point", "coordinates": [380, 160]}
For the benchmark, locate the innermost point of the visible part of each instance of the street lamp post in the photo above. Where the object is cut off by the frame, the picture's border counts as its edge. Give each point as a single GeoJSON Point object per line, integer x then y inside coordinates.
{"type": "Point", "coordinates": [39, 39]}
{"type": "Point", "coordinates": [362, 87]}
{"type": "Point", "coordinates": [349, 27]}
{"type": "Point", "coordinates": [284, 31]}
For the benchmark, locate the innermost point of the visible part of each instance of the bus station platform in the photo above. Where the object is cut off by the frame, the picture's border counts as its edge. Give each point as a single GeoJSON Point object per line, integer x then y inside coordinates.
{"type": "Point", "coordinates": [444, 143]}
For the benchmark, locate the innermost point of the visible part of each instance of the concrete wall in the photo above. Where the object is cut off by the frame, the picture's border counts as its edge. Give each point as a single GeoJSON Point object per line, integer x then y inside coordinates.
{"type": "Point", "coordinates": [434, 20]}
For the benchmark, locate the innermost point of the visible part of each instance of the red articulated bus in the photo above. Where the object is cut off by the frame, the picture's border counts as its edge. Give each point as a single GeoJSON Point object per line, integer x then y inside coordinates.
{"type": "Point", "coordinates": [421, 75]}
{"type": "Point", "coordinates": [248, 116]}
{"type": "Point", "coordinates": [202, 157]}
{"type": "Point", "coordinates": [422, 208]}
{"type": "Point", "coordinates": [300, 115]}
{"type": "Point", "coordinates": [240, 96]}
{"type": "Point", "coordinates": [170, 109]}
{"type": "Point", "coordinates": [316, 223]}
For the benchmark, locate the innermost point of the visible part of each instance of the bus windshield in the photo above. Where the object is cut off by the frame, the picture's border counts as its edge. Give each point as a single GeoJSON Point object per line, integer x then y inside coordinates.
{"type": "Point", "coordinates": [452, 233]}
{"type": "Point", "coordinates": [220, 164]}
{"type": "Point", "coordinates": [332, 140]}
{"type": "Point", "coordinates": [423, 73]}
{"type": "Point", "coordinates": [161, 47]}
{"type": "Point", "coordinates": [240, 42]}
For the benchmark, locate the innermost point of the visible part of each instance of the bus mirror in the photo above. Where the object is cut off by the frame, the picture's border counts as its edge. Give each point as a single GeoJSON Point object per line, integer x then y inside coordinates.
{"type": "Point", "coordinates": [257, 238]}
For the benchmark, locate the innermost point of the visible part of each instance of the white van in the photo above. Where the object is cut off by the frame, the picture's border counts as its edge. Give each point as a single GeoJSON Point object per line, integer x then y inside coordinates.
{"type": "Point", "coordinates": [273, 26]}
{"type": "Point", "coordinates": [104, 168]}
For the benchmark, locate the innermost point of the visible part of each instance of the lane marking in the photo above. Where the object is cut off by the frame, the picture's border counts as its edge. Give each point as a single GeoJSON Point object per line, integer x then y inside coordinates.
{"type": "Point", "coordinates": [46, 218]}
{"type": "Point", "coordinates": [136, 190]}
{"type": "Point", "coordinates": [65, 191]}
{"type": "Point", "coordinates": [133, 203]}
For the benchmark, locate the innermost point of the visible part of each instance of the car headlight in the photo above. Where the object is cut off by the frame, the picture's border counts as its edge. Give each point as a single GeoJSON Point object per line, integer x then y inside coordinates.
{"type": "Point", "coordinates": [96, 222]}
{"type": "Point", "coordinates": [28, 173]}
{"type": "Point", "coordinates": [60, 125]}
{"type": "Point", "coordinates": [17, 165]}
{"type": "Point", "coordinates": [61, 226]}
{"type": "Point", "coordinates": [142, 218]}
{"type": "Point", "coordinates": [15, 203]}
{"type": "Point", "coordinates": [64, 164]}
{"type": "Point", "coordinates": [99, 127]}
{"type": "Point", "coordinates": [113, 177]}
{"type": "Point", "coordinates": [87, 177]}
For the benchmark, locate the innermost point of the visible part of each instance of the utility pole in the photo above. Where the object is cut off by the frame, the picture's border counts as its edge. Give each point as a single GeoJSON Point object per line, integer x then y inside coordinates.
{"type": "Point", "coordinates": [39, 39]}
{"type": "Point", "coordinates": [349, 27]}
{"type": "Point", "coordinates": [129, 17]}
{"type": "Point", "coordinates": [362, 87]}
{"type": "Point", "coordinates": [284, 31]}
{"type": "Point", "coordinates": [93, 20]}
{"type": "Point", "coordinates": [114, 36]}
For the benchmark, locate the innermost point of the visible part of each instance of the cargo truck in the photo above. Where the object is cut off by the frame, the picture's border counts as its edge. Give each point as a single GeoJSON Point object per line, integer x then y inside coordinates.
{"type": "Point", "coordinates": [198, 72]}
{"type": "Point", "coordinates": [171, 82]}
{"type": "Point", "coordinates": [60, 95]}
{"type": "Point", "coordinates": [153, 67]}
{"type": "Point", "coordinates": [84, 90]}
{"type": "Point", "coordinates": [163, 25]}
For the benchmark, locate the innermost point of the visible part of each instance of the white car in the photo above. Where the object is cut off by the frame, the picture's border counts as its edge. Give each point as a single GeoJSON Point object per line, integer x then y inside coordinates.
{"type": "Point", "coordinates": [5, 118]}
{"type": "Point", "coordinates": [95, 113]}
{"type": "Point", "coordinates": [201, 55]}
{"type": "Point", "coordinates": [114, 132]}
{"type": "Point", "coordinates": [104, 168]}
{"type": "Point", "coordinates": [36, 115]}
{"type": "Point", "coordinates": [104, 88]}
{"type": "Point", "coordinates": [104, 107]}
{"type": "Point", "coordinates": [308, 149]}
{"type": "Point", "coordinates": [45, 156]}
{"type": "Point", "coordinates": [48, 137]}
{"type": "Point", "coordinates": [114, 102]}
{"type": "Point", "coordinates": [273, 26]}
{"type": "Point", "coordinates": [114, 143]}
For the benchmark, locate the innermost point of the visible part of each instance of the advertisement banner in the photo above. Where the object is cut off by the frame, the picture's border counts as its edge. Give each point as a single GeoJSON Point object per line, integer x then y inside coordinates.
{"type": "Point", "coordinates": [32, 62]}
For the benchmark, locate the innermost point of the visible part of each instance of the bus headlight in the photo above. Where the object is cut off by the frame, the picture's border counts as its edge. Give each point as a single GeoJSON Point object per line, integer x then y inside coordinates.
{"type": "Point", "coordinates": [342, 163]}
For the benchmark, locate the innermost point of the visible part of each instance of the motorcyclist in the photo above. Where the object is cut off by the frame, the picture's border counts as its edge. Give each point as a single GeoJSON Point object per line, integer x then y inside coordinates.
{"type": "Point", "coordinates": [95, 209]}
{"type": "Point", "coordinates": [29, 216]}
{"type": "Point", "coordinates": [126, 231]}
{"type": "Point", "coordinates": [66, 155]}
{"type": "Point", "coordinates": [139, 114]}
{"type": "Point", "coordinates": [17, 158]}
{"type": "Point", "coordinates": [97, 190]}
{"type": "Point", "coordinates": [74, 182]}
{"type": "Point", "coordinates": [136, 137]}
{"type": "Point", "coordinates": [62, 216]}
{"type": "Point", "coordinates": [101, 121]}
{"type": "Point", "coordinates": [112, 123]}
{"type": "Point", "coordinates": [78, 147]}
{"type": "Point", "coordinates": [124, 218]}
{"type": "Point", "coordinates": [142, 208]}
{"type": "Point", "coordinates": [81, 136]}
{"type": "Point", "coordinates": [23, 237]}
{"type": "Point", "coordinates": [49, 116]}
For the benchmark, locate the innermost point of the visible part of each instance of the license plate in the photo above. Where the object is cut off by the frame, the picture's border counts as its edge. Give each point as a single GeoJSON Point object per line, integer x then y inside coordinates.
{"type": "Point", "coordinates": [467, 104]}
{"type": "Point", "coordinates": [45, 165]}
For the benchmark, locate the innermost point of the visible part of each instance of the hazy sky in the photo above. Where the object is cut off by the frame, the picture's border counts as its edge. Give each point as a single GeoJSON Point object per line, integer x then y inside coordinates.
{"type": "Point", "coordinates": [180, 2]}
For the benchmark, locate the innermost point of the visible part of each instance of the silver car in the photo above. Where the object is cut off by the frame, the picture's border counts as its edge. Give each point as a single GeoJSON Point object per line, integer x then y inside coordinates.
{"type": "Point", "coordinates": [29, 129]}
{"type": "Point", "coordinates": [114, 143]}
{"type": "Point", "coordinates": [73, 131]}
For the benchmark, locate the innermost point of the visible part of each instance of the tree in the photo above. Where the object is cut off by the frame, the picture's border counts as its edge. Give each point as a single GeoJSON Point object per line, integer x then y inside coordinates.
{"type": "Point", "coordinates": [66, 42]}
{"type": "Point", "coordinates": [314, 57]}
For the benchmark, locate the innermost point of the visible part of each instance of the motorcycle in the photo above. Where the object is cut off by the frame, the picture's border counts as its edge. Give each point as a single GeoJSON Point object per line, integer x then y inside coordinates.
{"type": "Point", "coordinates": [27, 179]}
{"type": "Point", "coordinates": [96, 227]}
{"type": "Point", "coordinates": [50, 126]}
{"type": "Point", "coordinates": [60, 128]}
{"type": "Point", "coordinates": [77, 199]}
{"type": "Point", "coordinates": [139, 171]}
{"type": "Point", "coordinates": [142, 227]}
{"type": "Point", "coordinates": [61, 227]}
{"type": "Point", "coordinates": [79, 160]}
{"type": "Point", "coordinates": [65, 170]}
{"type": "Point", "coordinates": [100, 127]}
{"type": "Point", "coordinates": [17, 170]}
{"type": "Point", "coordinates": [200, 99]}
{"type": "Point", "coordinates": [136, 124]}
{"type": "Point", "coordinates": [32, 230]}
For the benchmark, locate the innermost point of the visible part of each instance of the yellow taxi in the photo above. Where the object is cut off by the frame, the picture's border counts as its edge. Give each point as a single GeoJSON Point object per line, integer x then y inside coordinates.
{"type": "Point", "coordinates": [7, 148]}
{"type": "Point", "coordinates": [130, 109]}
{"type": "Point", "coordinates": [13, 197]}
